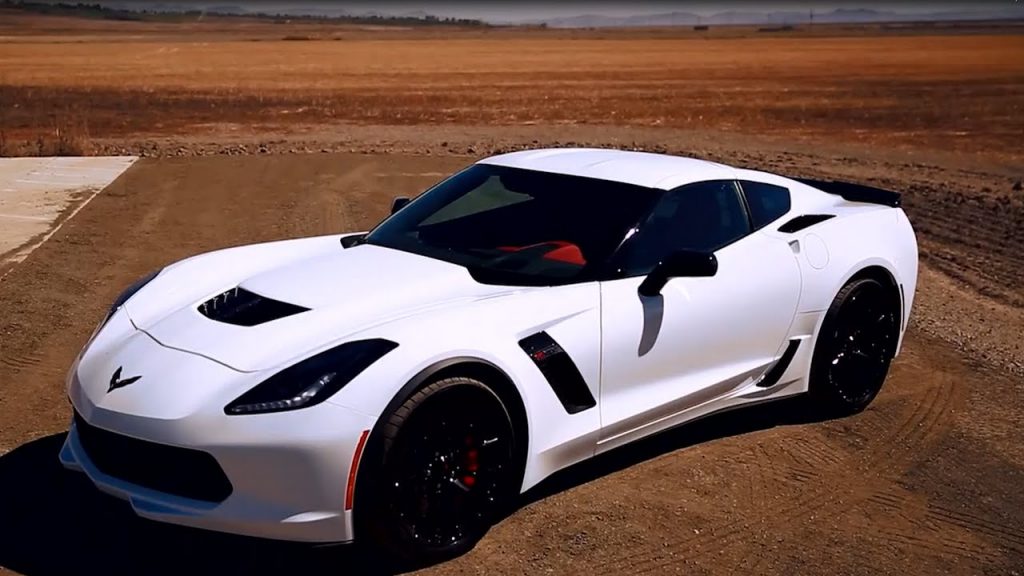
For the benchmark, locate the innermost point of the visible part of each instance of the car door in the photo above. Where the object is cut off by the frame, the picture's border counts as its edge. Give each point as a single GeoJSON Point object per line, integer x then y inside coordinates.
{"type": "Point", "coordinates": [701, 338]}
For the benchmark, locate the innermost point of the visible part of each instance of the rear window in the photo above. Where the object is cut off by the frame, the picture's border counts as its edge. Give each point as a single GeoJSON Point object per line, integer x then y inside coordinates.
{"type": "Point", "coordinates": [767, 202]}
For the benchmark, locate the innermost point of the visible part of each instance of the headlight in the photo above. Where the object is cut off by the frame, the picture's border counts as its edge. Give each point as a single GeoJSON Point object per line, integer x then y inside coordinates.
{"type": "Point", "coordinates": [311, 381]}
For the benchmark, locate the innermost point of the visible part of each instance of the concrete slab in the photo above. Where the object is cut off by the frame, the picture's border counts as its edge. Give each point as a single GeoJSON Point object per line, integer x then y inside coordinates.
{"type": "Point", "coordinates": [34, 192]}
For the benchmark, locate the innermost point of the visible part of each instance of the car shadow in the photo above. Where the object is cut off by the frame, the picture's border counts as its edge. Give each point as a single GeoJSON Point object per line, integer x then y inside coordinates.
{"type": "Point", "coordinates": [55, 522]}
{"type": "Point", "coordinates": [725, 424]}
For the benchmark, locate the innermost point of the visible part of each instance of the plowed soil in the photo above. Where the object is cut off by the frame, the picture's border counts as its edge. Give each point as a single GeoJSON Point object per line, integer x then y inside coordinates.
{"type": "Point", "coordinates": [927, 480]}
{"type": "Point", "coordinates": [907, 88]}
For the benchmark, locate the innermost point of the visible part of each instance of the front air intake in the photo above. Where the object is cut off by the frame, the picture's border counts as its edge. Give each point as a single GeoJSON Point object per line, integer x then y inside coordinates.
{"type": "Point", "coordinates": [241, 307]}
{"type": "Point", "coordinates": [169, 469]}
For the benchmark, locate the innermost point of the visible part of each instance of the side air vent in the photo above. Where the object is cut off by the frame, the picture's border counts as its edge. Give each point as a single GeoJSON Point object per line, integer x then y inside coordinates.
{"type": "Point", "coordinates": [240, 307]}
{"type": "Point", "coordinates": [805, 221]}
{"type": "Point", "coordinates": [560, 371]}
{"type": "Point", "coordinates": [772, 376]}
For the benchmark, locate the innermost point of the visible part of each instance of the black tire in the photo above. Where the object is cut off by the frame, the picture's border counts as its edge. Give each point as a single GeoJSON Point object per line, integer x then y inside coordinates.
{"type": "Point", "coordinates": [854, 348]}
{"type": "Point", "coordinates": [442, 472]}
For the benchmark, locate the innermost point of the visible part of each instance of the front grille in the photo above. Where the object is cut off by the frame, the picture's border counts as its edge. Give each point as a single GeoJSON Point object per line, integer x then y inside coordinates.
{"type": "Point", "coordinates": [178, 471]}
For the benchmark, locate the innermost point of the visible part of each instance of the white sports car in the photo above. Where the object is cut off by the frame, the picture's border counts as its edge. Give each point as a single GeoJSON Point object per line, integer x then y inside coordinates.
{"type": "Point", "coordinates": [400, 387]}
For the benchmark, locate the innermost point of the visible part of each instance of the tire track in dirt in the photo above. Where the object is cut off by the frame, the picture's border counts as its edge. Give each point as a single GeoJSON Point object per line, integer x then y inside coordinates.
{"type": "Point", "coordinates": [35, 366]}
{"type": "Point", "coordinates": [936, 545]}
{"type": "Point", "coordinates": [41, 362]}
{"type": "Point", "coordinates": [700, 548]}
{"type": "Point", "coordinates": [923, 422]}
{"type": "Point", "coordinates": [1003, 534]}
{"type": "Point", "coordinates": [942, 533]}
{"type": "Point", "coordinates": [20, 361]}
{"type": "Point", "coordinates": [760, 465]}
{"type": "Point", "coordinates": [813, 453]}
{"type": "Point", "coordinates": [778, 469]}
{"type": "Point", "coordinates": [824, 490]}
{"type": "Point", "coordinates": [338, 211]}
{"type": "Point", "coordinates": [717, 537]}
{"type": "Point", "coordinates": [975, 239]}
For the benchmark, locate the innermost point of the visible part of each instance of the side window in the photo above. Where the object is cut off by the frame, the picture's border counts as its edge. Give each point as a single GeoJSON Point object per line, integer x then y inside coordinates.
{"type": "Point", "coordinates": [704, 216]}
{"type": "Point", "coordinates": [767, 202]}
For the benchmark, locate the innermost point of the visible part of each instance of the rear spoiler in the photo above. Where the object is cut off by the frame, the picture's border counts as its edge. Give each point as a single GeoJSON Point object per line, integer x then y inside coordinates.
{"type": "Point", "coordinates": [855, 192]}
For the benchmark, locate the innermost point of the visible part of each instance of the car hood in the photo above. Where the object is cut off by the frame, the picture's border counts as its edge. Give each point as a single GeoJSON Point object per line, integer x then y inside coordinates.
{"type": "Point", "coordinates": [345, 291]}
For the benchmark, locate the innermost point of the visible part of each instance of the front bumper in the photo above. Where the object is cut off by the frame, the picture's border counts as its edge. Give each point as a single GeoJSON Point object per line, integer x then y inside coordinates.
{"type": "Point", "coordinates": [288, 471]}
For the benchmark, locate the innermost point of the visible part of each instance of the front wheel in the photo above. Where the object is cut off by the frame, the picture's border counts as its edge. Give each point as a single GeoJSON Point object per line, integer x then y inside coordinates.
{"type": "Point", "coordinates": [443, 473]}
{"type": "Point", "coordinates": [854, 348]}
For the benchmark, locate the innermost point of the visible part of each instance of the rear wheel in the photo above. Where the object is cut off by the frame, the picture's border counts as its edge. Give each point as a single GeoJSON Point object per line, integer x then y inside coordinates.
{"type": "Point", "coordinates": [444, 473]}
{"type": "Point", "coordinates": [855, 346]}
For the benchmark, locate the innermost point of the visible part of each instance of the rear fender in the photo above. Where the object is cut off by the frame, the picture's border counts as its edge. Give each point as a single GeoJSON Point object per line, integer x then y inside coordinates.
{"type": "Point", "coordinates": [834, 251]}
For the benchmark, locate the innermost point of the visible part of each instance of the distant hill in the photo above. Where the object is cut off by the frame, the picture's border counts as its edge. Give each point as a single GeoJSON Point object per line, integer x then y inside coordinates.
{"type": "Point", "coordinates": [756, 18]}
{"type": "Point", "coordinates": [182, 10]}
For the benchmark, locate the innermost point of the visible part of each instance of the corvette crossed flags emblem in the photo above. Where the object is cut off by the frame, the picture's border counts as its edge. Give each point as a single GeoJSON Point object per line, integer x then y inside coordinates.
{"type": "Point", "coordinates": [116, 381]}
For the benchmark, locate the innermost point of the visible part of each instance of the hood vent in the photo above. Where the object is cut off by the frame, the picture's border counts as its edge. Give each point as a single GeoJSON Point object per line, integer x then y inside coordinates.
{"type": "Point", "coordinates": [240, 307]}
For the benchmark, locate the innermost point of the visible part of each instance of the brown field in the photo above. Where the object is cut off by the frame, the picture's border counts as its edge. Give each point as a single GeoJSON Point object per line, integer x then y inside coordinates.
{"type": "Point", "coordinates": [926, 481]}
{"type": "Point", "coordinates": [126, 81]}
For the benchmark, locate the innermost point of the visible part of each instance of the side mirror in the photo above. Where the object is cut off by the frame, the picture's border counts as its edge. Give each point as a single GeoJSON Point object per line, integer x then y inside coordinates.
{"type": "Point", "coordinates": [399, 203]}
{"type": "Point", "coordinates": [681, 264]}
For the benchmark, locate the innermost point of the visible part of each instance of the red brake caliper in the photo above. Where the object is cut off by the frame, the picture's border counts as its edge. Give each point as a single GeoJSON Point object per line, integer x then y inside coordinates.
{"type": "Point", "coordinates": [471, 464]}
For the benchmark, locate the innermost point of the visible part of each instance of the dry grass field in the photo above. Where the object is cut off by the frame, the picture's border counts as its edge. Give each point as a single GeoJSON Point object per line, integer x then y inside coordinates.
{"type": "Point", "coordinates": [962, 92]}
{"type": "Point", "coordinates": [926, 481]}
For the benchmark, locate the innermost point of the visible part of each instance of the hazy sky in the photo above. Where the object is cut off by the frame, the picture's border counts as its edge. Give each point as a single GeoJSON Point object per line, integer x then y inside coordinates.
{"type": "Point", "coordinates": [530, 9]}
{"type": "Point", "coordinates": [552, 9]}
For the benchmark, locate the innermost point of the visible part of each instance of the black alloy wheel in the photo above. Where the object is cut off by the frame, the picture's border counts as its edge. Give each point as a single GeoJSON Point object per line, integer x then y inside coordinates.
{"type": "Point", "coordinates": [447, 471]}
{"type": "Point", "coordinates": [855, 347]}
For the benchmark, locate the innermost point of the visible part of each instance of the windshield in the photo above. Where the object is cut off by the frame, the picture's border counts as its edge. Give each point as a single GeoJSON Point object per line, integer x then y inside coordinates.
{"type": "Point", "coordinates": [519, 227]}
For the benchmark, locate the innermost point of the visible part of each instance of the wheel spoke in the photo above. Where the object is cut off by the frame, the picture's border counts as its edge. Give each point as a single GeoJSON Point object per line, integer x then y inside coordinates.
{"type": "Point", "coordinates": [447, 467]}
{"type": "Point", "coordinates": [861, 344]}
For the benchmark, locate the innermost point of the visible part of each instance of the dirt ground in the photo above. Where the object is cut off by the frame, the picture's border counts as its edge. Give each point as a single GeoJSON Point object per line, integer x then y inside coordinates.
{"type": "Point", "coordinates": [925, 481]}
{"type": "Point", "coordinates": [249, 137]}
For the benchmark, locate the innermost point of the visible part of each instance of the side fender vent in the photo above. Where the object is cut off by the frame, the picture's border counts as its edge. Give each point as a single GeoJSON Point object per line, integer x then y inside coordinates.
{"type": "Point", "coordinates": [240, 307]}
{"type": "Point", "coordinates": [560, 371]}
{"type": "Point", "coordinates": [772, 376]}
{"type": "Point", "coordinates": [805, 221]}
